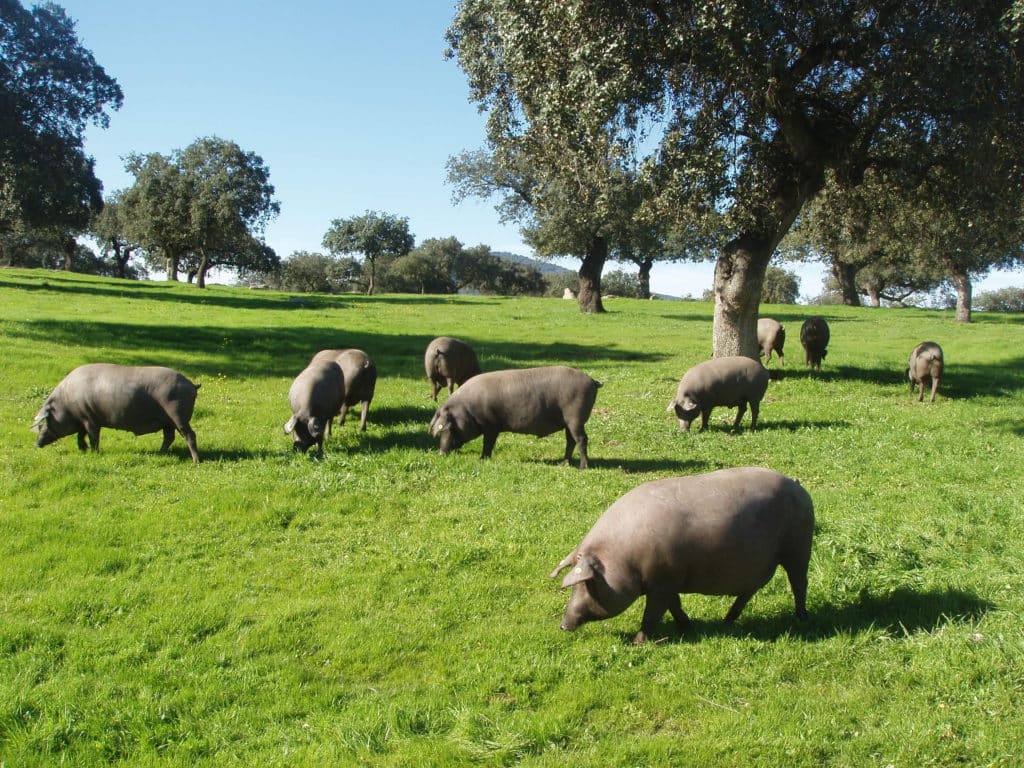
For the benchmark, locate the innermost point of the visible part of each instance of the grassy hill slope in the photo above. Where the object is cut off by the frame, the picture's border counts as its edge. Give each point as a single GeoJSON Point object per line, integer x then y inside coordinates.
{"type": "Point", "coordinates": [388, 606]}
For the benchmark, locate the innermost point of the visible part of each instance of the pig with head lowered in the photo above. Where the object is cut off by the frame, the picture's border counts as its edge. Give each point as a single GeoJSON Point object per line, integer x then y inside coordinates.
{"type": "Point", "coordinates": [359, 374]}
{"type": "Point", "coordinates": [315, 397]}
{"type": "Point", "coordinates": [771, 336]}
{"type": "Point", "coordinates": [733, 382]}
{"type": "Point", "coordinates": [531, 401]}
{"type": "Point", "coordinates": [139, 399]}
{"type": "Point", "coordinates": [925, 367]}
{"type": "Point", "coordinates": [720, 533]}
{"type": "Point", "coordinates": [814, 335]}
{"type": "Point", "coordinates": [448, 362]}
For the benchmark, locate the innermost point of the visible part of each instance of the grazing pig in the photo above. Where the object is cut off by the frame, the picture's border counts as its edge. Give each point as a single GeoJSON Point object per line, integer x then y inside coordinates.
{"type": "Point", "coordinates": [315, 396]}
{"type": "Point", "coordinates": [720, 533]}
{"type": "Point", "coordinates": [359, 374]}
{"type": "Point", "coordinates": [449, 362]}
{"type": "Point", "coordinates": [771, 336]}
{"type": "Point", "coordinates": [532, 401]}
{"type": "Point", "coordinates": [136, 399]}
{"type": "Point", "coordinates": [925, 367]}
{"type": "Point", "coordinates": [727, 381]}
{"type": "Point", "coordinates": [814, 337]}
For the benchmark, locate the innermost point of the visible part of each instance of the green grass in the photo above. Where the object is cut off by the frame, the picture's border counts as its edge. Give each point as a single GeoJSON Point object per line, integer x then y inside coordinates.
{"type": "Point", "coordinates": [388, 606]}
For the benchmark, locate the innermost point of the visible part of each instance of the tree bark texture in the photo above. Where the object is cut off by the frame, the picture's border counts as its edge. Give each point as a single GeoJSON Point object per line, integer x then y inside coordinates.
{"type": "Point", "coordinates": [590, 276]}
{"type": "Point", "coordinates": [846, 276]}
{"type": "Point", "coordinates": [644, 278]}
{"type": "Point", "coordinates": [964, 296]}
{"type": "Point", "coordinates": [172, 267]}
{"type": "Point", "coordinates": [739, 278]}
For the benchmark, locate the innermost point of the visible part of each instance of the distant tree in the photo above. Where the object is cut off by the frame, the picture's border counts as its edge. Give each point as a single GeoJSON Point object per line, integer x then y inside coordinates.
{"type": "Point", "coordinates": [51, 89]}
{"type": "Point", "coordinates": [780, 286]}
{"type": "Point", "coordinates": [380, 237]}
{"type": "Point", "coordinates": [306, 272]}
{"type": "Point", "coordinates": [109, 230]}
{"type": "Point", "coordinates": [230, 201]}
{"type": "Point", "coordinates": [155, 210]}
{"type": "Point", "coordinates": [557, 282]}
{"type": "Point", "coordinates": [205, 206]}
{"type": "Point", "coordinates": [1010, 299]}
{"type": "Point", "coordinates": [619, 283]}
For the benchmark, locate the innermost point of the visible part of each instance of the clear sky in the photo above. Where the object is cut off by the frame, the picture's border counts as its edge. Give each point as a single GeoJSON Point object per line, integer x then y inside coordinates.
{"type": "Point", "coordinates": [351, 104]}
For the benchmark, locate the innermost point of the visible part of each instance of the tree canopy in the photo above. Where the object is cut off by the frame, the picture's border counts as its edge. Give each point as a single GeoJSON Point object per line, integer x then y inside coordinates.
{"type": "Point", "coordinates": [205, 206]}
{"type": "Point", "coordinates": [735, 110]}
{"type": "Point", "coordinates": [51, 89]}
{"type": "Point", "coordinates": [378, 236]}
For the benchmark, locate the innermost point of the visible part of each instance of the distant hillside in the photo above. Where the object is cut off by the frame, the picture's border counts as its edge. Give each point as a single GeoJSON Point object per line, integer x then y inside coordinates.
{"type": "Point", "coordinates": [545, 268]}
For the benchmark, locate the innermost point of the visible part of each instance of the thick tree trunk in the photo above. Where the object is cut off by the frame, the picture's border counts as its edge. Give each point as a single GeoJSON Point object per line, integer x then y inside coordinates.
{"type": "Point", "coordinates": [371, 284]}
{"type": "Point", "coordinates": [964, 296]}
{"type": "Point", "coordinates": [739, 278]}
{"type": "Point", "coordinates": [644, 277]}
{"type": "Point", "coordinates": [590, 276]}
{"type": "Point", "coordinates": [204, 266]}
{"type": "Point", "coordinates": [846, 276]}
{"type": "Point", "coordinates": [172, 266]}
{"type": "Point", "coordinates": [69, 251]}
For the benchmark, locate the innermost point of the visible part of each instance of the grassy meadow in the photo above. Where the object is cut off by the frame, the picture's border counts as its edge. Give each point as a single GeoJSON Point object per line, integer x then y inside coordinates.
{"type": "Point", "coordinates": [388, 606]}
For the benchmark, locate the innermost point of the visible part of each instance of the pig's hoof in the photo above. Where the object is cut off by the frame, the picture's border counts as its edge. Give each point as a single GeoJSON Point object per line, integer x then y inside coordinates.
{"type": "Point", "coordinates": [640, 638]}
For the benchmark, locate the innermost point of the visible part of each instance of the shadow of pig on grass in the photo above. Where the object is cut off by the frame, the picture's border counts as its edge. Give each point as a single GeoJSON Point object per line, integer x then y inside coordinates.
{"type": "Point", "coordinates": [902, 613]}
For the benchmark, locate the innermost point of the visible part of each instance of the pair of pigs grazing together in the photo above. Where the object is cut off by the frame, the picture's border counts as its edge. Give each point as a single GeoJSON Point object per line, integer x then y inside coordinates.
{"type": "Point", "coordinates": [334, 380]}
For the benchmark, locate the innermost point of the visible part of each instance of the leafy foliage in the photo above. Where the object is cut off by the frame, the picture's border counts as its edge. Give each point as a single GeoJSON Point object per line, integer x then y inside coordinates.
{"type": "Point", "coordinates": [51, 89]}
{"type": "Point", "coordinates": [380, 237]}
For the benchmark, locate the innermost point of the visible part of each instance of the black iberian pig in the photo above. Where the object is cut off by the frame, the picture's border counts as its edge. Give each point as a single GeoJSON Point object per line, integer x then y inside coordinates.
{"type": "Point", "coordinates": [720, 533]}
{"type": "Point", "coordinates": [925, 367]}
{"type": "Point", "coordinates": [139, 399]}
{"type": "Point", "coordinates": [315, 397]}
{"type": "Point", "coordinates": [448, 362]}
{"type": "Point", "coordinates": [359, 374]}
{"type": "Point", "coordinates": [531, 401]}
{"type": "Point", "coordinates": [771, 337]}
{"type": "Point", "coordinates": [733, 382]}
{"type": "Point", "coordinates": [814, 337]}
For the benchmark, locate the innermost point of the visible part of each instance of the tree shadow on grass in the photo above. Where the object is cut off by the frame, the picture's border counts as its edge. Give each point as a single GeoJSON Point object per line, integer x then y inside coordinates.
{"type": "Point", "coordinates": [960, 382]}
{"type": "Point", "coordinates": [902, 613]}
{"type": "Point", "coordinates": [284, 351]}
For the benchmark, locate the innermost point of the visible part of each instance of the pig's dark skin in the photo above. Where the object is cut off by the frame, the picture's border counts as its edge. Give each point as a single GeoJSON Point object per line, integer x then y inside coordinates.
{"type": "Point", "coordinates": [359, 374]}
{"type": "Point", "coordinates": [733, 382]}
{"type": "Point", "coordinates": [720, 533]}
{"type": "Point", "coordinates": [925, 368]}
{"type": "Point", "coordinates": [449, 362]}
{"type": "Point", "coordinates": [814, 335]}
{"type": "Point", "coordinates": [531, 401]}
{"type": "Point", "coordinates": [315, 397]}
{"type": "Point", "coordinates": [771, 337]}
{"type": "Point", "coordinates": [139, 399]}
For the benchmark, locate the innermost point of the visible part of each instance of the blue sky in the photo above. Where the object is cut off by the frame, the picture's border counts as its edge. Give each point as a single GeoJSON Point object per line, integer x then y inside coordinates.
{"type": "Point", "coordinates": [351, 104]}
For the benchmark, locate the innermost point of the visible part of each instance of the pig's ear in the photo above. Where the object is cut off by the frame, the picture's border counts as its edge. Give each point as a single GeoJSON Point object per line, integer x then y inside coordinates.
{"type": "Point", "coordinates": [689, 404]}
{"type": "Point", "coordinates": [42, 416]}
{"type": "Point", "coordinates": [289, 425]}
{"type": "Point", "coordinates": [569, 560]}
{"type": "Point", "coordinates": [587, 567]}
{"type": "Point", "coordinates": [671, 407]}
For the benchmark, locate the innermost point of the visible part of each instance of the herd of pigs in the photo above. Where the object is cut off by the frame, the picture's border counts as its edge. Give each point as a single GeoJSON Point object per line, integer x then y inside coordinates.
{"type": "Point", "coordinates": [718, 533]}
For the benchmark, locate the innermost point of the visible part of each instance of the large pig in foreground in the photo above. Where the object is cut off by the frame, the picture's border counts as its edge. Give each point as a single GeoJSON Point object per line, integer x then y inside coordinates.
{"type": "Point", "coordinates": [532, 401]}
{"type": "Point", "coordinates": [814, 336]}
{"type": "Point", "coordinates": [136, 399]}
{"type": "Point", "coordinates": [359, 374]}
{"type": "Point", "coordinates": [315, 397]}
{"type": "Point", "coordinates": [720, 533]}
{"type": "Point", "coordinates": [448, 362]}
{"type": "Point", "coordinates": [771, 336]}
{"type": "Point", "coordinates": [925, 367]}
{"type": "Point", "coordinates": [733, 382]}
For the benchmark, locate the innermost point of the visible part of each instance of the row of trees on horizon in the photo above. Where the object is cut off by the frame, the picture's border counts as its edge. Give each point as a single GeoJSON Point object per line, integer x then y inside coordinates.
{"type": "Point", "coordinates": [884, 138]}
